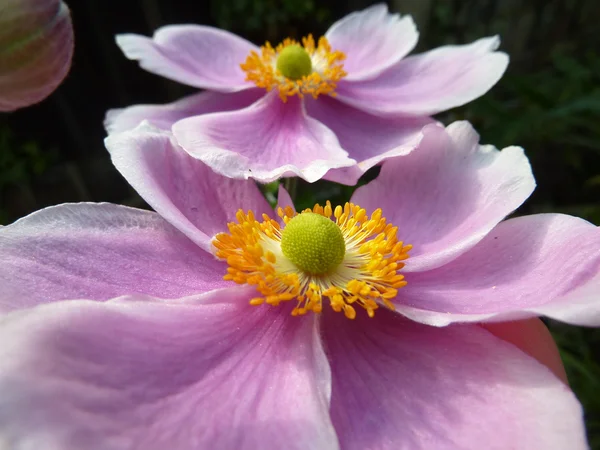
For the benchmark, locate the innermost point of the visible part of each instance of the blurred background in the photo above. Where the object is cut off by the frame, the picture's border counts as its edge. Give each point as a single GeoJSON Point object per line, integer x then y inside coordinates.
{"type": "Point", "coordinates": [548, 103]}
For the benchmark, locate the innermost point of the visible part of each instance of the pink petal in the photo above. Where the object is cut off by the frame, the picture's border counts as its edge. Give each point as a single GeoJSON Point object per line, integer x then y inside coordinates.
{"type": "Point", "coordinates": [367, 138]}
{"type": "Point", "coordinates": [372, 40]}
{"type": "Point", "coordinates": [533, 338]}
{"type": "Point", "coordinates": [398, 384]}
{"type": "Point", "coordinates": [431, 82]}
{"type": "Point", "coordinates": [541, 264]}
{"type": "Point", "coordinates": [163, 116]}
{"type": "Point", "coordinates": [265, 141]}
{"type": "Point", "coordinates": [283, 198]}
{"type": "Point", "coordinates": [579, 306]}
{"type": "Point", "coordinates": [36, 42]}
{"type": "Point", "coordinates": [448, 193]}
{"type": "Point", "coordinates": [163, 375]}
{"type": "Point", "coordinates": [99, 251]}
{"type": "Point", "coordinates": [180, 188]}
{"type": "Point", "coordinates": [195, 55]}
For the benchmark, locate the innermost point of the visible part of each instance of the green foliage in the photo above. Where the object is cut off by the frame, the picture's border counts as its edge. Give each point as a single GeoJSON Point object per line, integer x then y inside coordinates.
{"type": "Point", "coordinates": [558, 106]}
{"type": "Point", "coordinates": [580, 352]}
{"type": "Point", "coordinates": [308, 194]}
{"type": "Point", "coordinates": [20, 163]}
{"type": "Point", "coordinates": [250, 16]}
{"type": "Point", "coordinates": [555, 115]}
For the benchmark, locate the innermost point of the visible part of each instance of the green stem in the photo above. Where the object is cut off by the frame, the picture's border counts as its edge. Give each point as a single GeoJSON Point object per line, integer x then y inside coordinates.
{"type": "Point", "coordinates": [291, 185]}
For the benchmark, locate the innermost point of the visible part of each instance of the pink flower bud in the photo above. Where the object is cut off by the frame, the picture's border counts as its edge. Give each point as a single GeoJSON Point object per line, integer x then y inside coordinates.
{"type": "Point", "coordinates": [36, 47]}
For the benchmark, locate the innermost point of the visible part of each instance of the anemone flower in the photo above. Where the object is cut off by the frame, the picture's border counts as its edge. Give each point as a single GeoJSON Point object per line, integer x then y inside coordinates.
{"type": "Point", "coordinates": [36, 42]}
{"type": "Point", "coordinates": [121, 329]}
{"type": "Point", "coordinates": [330, 107]}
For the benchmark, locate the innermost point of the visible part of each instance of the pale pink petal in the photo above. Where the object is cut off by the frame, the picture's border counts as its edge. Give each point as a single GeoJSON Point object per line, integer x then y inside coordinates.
{"type": "Point", "coordinates": [581, 306]}
{"type": "Point", "coordinates": [133, 374]}
{"type": "Point", "coordinates": [180, 188]}
{"type": "Point", "coordinates": [265, 141]}
{"type": "Point", "coordinates": [546, 263]}
{"type": "Point", "coordinates": [533, 338]}
{"type": "Point", "coordinates": [448, 193]}
{"type": "Point", "coordinates": [368, 139]}
{"type": "Point", "coordinates": [99, 251]}
{"type": "Point", "coordinates": [402, 385]}
{"type": "Point", "coordinates": [163, 116]}
{"type": "Point", "coordinates": [283, 198]}
{"type": "Point", "coordinates": [195, 55]}
{"type": "Point", "coordinates": [431, 82]}
{"type": "Point", "coordinates": [372, 40]}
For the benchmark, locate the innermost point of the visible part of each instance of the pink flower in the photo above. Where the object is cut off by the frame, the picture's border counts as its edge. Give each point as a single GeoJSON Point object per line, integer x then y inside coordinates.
{"type": "Point", "coordinates": [120, 332]}
{"type": "Point", "coordinates": [331, 108]}
{"type": "Point", "coordinates": [36, 38]}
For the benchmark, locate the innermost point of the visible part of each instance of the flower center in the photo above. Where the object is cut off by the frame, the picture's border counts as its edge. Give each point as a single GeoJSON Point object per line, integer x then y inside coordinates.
{"type": "Point", "coordinates": [313, 243]}
{"type": "Point", "coordinates": [294, 63]}
{"type": "Point", "coordinates": [295, 69]}
{"type": "Point", "coordinates": [340, 255]}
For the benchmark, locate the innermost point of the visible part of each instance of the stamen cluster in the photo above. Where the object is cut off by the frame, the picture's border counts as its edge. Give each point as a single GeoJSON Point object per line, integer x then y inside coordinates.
{"type": "Point", "coordinates": [368, 275]}
{"type": "Point", "coordinates": [327, 69]}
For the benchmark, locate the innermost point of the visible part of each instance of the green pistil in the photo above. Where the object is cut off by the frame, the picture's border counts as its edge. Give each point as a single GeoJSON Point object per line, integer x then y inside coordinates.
{"type": "Point", "coordinates": [313, 243]}
{"type": "Point", "coordinates": [294, 62]}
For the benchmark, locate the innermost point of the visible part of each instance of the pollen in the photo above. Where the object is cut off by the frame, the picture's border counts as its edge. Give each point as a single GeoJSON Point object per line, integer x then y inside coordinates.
{"type": "Point", "coordinates": [295, 68]}
{"type": "Point", "coordinates": [337, 256]}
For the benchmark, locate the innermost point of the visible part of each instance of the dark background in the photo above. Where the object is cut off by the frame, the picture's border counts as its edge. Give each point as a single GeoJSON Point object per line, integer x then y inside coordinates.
{"type": "Point", "coordinates": [548, 103]}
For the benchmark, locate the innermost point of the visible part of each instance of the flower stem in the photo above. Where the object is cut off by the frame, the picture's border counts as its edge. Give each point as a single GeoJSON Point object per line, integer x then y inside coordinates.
{"type": "Point", "coordinates": [291, 184]}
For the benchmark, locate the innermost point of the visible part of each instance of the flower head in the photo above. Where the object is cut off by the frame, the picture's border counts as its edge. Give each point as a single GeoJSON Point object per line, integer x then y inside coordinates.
{"type": "Point", "coordinates": [330, 108]}
{"type": "Point", "coordinates": [122, 329]}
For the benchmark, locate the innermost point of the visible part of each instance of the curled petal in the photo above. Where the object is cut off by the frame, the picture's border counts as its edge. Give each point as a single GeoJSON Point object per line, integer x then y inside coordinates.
{"type": "Point", "coordinates": [543, 264]}
{"type": "Point", "coordinates": [195, 55]}
{"type": "Point", "coordinates": [97, 252]}
{"type": "Point", "coordinates": [399, 384]}
{"type": "Point", "coordinates": [368, 139]}
{"type": "Point", "coordinates": [265, 141]}
{"type": "Point", "coordinates": [372, 40]}
{"type": "Point", "coordinates": [448, 193]}
{"type": "Point", "coordinates": [180, 188]}
{"type": "Point", "coordinates": [210, 372]}
{"type": "Point", "coordinates": [431, 82]}
{"type": "Point", "coordinates": [36, 42]}
{"type": "Point", "coordinates": [164, 116]}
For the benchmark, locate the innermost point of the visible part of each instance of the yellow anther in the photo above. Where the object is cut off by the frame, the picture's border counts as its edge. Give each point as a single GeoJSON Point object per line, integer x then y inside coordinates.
{"type": "Point", "coordinates": [295, 68]}
{"type": "Point", "coordinates": [358, 266]}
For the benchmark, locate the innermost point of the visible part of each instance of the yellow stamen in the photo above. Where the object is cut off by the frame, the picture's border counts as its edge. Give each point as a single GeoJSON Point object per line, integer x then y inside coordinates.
{"type": "Point", "coordinates": [326, 68]}
{"type": "Point", "coordinates": [367, 277]}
